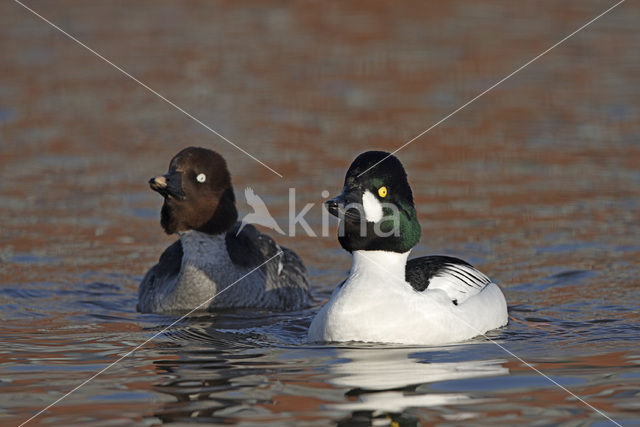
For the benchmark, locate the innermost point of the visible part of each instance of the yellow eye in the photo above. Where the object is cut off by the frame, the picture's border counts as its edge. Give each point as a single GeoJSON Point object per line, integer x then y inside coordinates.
{"type": "Point", "coordinates": [382, 191]}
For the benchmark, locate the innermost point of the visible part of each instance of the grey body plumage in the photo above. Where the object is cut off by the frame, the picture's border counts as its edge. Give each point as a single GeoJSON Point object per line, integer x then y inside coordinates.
{"type": "Point", "coordinates": [212, 265]}
{"type": "Point", "coordinates": [233, 268]}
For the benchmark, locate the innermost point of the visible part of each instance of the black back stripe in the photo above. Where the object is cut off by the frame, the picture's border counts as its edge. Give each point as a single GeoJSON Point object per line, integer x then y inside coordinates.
{"type": "Point", "coordinates": [450, 272]}
{"type": "Point", "coordinates": [474, 277]}
{"type": "Point", "coordinates": [477, 276]}
{"type": "Point", "coordinates": [462, 275]}
{"type": "Point", "coordinates": [465, 277]}
{"type": "Point", "coordinates": [477, 279]}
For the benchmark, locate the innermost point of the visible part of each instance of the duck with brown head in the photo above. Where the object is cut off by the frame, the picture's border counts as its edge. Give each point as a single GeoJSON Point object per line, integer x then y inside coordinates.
{"type": "Point", "coordinates": [211, 257]}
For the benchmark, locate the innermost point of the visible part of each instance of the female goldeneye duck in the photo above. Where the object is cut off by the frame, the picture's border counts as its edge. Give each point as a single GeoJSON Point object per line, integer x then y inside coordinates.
{"type": "Point", "coordinates": [211, 257]}
{"type": "Point", "coordinates": [427, 300]}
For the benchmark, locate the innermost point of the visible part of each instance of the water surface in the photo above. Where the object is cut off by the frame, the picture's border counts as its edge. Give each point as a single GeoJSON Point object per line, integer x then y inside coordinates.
{"type": "Point", "coordinates": [537, 183]}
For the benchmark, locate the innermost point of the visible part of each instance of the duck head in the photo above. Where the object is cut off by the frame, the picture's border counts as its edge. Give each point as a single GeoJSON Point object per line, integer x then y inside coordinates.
{"type": "Point", "coordinates": [197, 193]}
{"type": "Point", "coordinates": [376, 209]}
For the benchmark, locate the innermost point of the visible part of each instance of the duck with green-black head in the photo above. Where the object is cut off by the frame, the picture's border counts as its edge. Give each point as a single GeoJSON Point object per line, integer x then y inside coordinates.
{"type": "Point", "coordinates": [385, 298]}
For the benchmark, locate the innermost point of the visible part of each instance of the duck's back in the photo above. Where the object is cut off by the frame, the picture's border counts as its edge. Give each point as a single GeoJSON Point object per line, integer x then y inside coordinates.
{"type": "Point", "coordinates": [286, 276]}
{"type": "Point", "coordinates": [478, 303]}
{"type": "Point", "coordinates": [459, 279]}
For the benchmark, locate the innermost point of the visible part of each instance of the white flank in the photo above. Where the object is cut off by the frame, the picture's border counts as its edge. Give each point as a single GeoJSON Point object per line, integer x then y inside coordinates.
{"type": "Point", "coordinates": [376, 304]}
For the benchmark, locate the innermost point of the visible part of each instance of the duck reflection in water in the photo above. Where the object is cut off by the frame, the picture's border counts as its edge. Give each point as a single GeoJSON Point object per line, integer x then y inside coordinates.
{"type": "Point", "coordinates": [386, 381]}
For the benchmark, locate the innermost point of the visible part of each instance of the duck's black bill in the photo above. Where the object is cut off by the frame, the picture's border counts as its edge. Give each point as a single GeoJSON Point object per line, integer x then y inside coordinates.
{"type": "Point", "coordinates": [346, 205]}
{"type": "Point", "coordinates": [167, 185]}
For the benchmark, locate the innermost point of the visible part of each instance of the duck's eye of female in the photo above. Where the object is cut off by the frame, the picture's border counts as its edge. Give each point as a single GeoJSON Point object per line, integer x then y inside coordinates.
{"type": "Point", "coordinates": [382, 191]}
{"type": "Point", "coordinates": [201, 177]}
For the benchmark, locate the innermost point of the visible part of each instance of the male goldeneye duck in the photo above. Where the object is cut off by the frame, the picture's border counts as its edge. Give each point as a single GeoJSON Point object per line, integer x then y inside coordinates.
{"type": "Point", "coordinates": [427, 300]}
{"type": "Point", "coordinates": [211, 256]}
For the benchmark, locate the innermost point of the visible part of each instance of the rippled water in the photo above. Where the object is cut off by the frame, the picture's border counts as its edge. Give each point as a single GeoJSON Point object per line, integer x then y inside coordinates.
{"type": "Point", "coordinates": [537, 183]}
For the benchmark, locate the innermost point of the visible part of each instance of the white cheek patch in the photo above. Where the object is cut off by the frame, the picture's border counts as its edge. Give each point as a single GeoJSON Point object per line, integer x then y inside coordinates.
{"type": "Point", "coordinates": [372, 207]}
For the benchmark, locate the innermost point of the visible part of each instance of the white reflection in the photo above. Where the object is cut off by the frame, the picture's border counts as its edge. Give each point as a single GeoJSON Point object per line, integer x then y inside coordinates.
{"type": "Point", "coordinates": [386, 369]}
{"type": "Point", "coordinates": [396, 401]}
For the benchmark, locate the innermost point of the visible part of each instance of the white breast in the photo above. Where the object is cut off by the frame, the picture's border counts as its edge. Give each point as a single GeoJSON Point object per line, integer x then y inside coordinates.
{"type": "Point", "coordinates": [376, 304]}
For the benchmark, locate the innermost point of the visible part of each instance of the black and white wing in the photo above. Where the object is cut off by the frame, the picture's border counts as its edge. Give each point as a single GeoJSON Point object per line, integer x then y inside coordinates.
{"type": "Point", "coordinates": [286, 274]}
{"type": "Point", "coordinates": [459, 279]}
{"type": "Point", "coordinates": [248, 247]}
